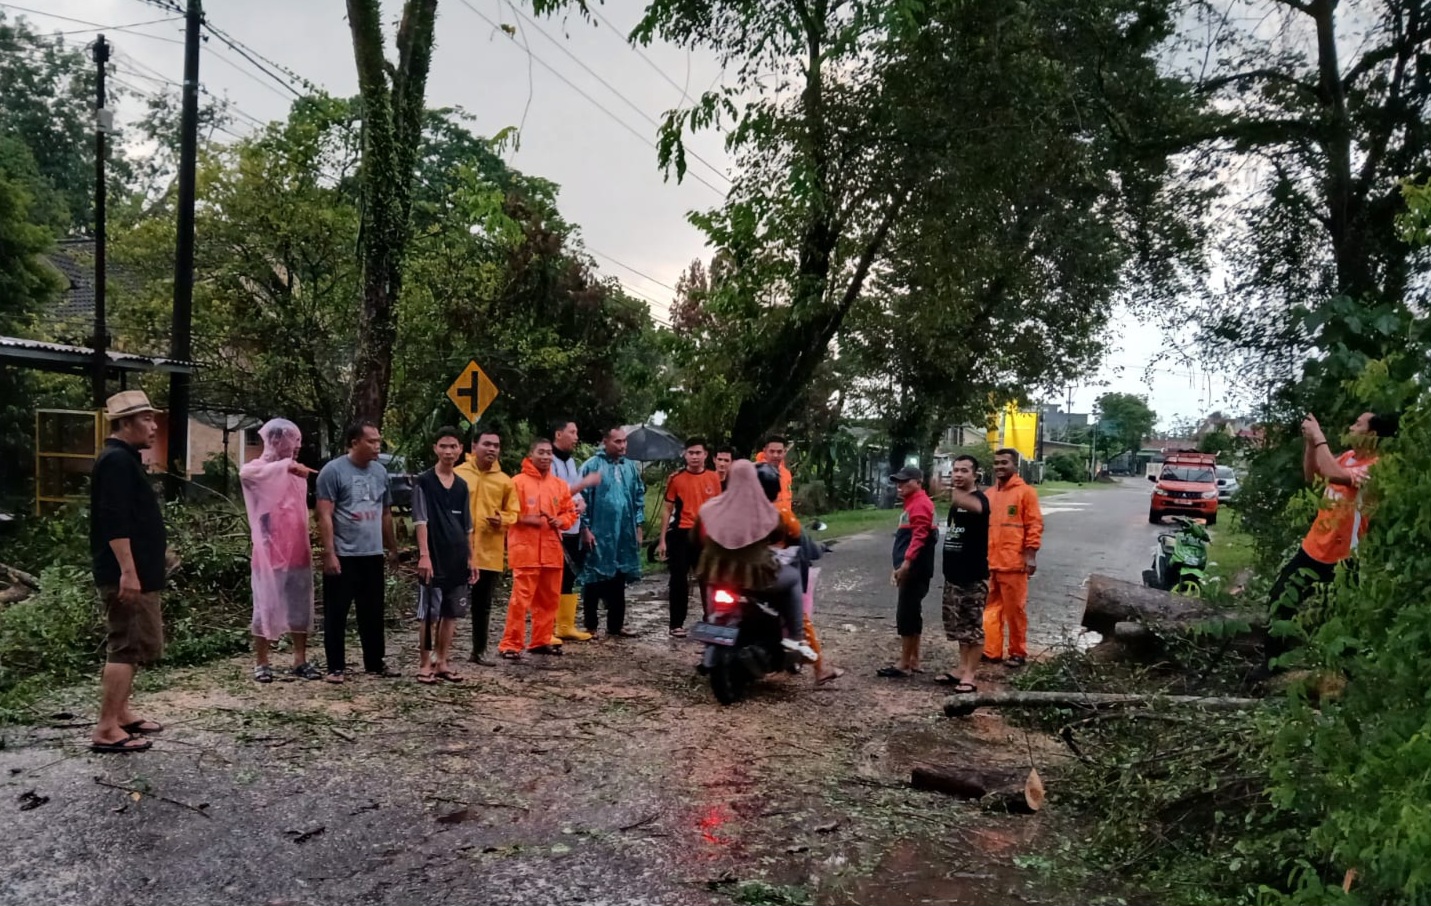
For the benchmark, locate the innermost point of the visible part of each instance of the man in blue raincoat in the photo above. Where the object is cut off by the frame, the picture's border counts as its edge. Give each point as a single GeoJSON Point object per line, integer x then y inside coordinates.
{"type": "Point", "coordinates": [611, 529]}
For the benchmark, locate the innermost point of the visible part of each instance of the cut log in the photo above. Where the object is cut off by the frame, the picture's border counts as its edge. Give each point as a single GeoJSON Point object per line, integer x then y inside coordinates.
{"type": "Point", "coordinates": [1112, 601]}
{"type": "Point", "coordinates": [20, 576]}
{"type": "Point", "coordinates": [1142, 619]}
{"type": "Point", "coordinates": [14, 594]}
{"type": "Point", "coordinates": [962, 705]}
{"type": "Point", "coordinates": [1017, 790]}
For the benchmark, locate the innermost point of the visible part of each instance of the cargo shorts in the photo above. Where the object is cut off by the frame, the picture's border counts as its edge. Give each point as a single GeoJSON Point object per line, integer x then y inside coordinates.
{"type": "Point", "coordinates": [964, 611]}
{"type": "Point", "coordinates": [134, 633]}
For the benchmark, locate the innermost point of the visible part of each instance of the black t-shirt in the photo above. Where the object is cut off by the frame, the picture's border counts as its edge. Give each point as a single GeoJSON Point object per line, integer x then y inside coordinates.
{"type": "Point", "coordinates": [448, 517]}
{"type": "Point", "coordinates": [966, 544]}
{"type": "Point", "coordinates": [122, 504]}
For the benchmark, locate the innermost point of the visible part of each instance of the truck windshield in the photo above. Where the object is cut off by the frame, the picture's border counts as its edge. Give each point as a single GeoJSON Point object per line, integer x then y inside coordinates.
{"type": "Point", "coordinates": [1187, 473]}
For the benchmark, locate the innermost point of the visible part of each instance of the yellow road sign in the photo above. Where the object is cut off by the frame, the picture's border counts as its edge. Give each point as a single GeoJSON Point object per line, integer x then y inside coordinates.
{"type": "Point", "coordinates": [472, 392]}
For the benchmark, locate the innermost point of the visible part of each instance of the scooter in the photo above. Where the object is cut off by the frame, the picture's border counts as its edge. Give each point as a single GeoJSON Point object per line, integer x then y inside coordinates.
{"type": "Point", "coordinates": [742, 635]}
{"type": "Point", "coordinates": [1180, 560]}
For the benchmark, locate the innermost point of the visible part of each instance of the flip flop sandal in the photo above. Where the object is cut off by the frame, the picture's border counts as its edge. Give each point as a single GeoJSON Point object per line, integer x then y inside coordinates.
{"type": "Point", "coordinates": [427, 679]}
{"type": "Point", "coordinates": [121, 745]}
{"type": "Point", "coordinates": [947, 679]}
{"type": "Point", "coordinates": [544, 649]}
{"type": "Point", "coordinates": [831, 676]}
{"type": "Point", "coordinates": [450, 676]}
{"type": "Point", "coordinates": [965, 689]}
{"type": "Point", "coordinates": [893, 672]}
{"type": "Point", "coordinates": [624, 633]}
{"type": "Point", "coordinates": [511, 655]}
{"type": "Point", "coordinates": [263, 674]}
{"type": "Point", "coordinates": [678, 633]}
{"type": "Point", "coordinates": [336, 678]}
{"type": "Point", "coordinates": [142, 728]}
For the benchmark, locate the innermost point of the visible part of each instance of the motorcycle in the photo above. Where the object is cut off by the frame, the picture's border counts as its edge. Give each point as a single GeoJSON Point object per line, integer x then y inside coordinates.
{"type": "Point", "coordinates": [742, 634]}
{"type": "Point", "coordinates": [1180, 559]}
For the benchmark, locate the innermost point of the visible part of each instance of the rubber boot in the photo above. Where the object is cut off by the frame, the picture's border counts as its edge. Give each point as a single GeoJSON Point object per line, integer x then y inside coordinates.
{"type": "Point", "coordinates": [566, 621]}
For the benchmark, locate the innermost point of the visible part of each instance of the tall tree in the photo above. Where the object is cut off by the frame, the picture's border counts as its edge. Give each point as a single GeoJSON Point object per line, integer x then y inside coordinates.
{"type": "Point", "coordinates": [844, 140]}
{"type": "Point", "coordinates": [1125, 420]}
{"type": "Point", "coordinates": [393, 109]}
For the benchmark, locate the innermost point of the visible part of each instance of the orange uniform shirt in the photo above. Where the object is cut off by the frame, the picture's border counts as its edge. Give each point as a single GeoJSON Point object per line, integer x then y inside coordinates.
{"type": "Point", "coordinates": [1340, 523]}
{"type": "Point", "coordinates": [1015, 524]}
{"type": "Point", "coordinates": [691, 491]}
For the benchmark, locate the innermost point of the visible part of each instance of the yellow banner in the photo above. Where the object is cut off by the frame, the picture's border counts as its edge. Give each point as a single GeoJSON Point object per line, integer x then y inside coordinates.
{"type": "Point", "coordinates": [1012, 428]}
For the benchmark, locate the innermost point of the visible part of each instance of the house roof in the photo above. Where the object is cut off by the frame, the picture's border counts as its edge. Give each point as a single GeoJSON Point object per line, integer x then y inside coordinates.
{"type": "Point", "coordinates": [74, 259]}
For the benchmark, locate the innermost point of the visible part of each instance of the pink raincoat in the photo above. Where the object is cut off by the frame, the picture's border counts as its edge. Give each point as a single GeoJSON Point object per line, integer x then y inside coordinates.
{"type": "Point", "coordinates": [277, 501]}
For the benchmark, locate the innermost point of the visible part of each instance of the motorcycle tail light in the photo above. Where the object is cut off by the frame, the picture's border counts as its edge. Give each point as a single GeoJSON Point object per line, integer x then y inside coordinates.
{"type": "Point", "coordinates": [723, 599]}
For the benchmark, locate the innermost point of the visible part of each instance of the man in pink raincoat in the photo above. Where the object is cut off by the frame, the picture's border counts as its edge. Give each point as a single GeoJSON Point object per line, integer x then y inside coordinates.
{"type": "Point", "coordinates": [275, 490]}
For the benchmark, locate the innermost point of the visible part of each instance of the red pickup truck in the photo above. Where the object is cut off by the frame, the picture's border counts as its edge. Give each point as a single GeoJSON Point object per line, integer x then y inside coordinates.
{"type": "Point", "coordinates": [1186, 486]}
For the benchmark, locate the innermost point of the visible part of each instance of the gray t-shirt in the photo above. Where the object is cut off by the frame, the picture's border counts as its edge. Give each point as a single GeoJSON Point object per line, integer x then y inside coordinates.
{"type": "Point", "coordinates": [359, 497]}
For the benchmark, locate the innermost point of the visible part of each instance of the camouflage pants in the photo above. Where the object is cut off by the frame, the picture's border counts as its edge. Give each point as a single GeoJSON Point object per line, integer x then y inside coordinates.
{"type": "Point", "coordinates": [964, 611]}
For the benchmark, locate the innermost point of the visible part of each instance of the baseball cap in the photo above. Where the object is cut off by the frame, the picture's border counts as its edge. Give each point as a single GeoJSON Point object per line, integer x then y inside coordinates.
{"type": "Point", "coordinates": [908, 473]}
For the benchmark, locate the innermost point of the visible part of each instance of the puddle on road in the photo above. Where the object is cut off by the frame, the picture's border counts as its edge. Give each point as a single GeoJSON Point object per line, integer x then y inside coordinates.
{"type": "Point", "coordinates": [976, 869]}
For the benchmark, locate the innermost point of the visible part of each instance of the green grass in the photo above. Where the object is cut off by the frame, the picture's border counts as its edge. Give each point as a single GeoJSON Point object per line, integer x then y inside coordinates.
{"type": "Point", "coordinates": [852, 522]}
{"type": "Point", "coordinates": [1231, 549]}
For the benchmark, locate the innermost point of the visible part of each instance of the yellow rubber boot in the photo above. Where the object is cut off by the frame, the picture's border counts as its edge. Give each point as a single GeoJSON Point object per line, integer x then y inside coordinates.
{"type": "Point", "coordinates": [566, 621]}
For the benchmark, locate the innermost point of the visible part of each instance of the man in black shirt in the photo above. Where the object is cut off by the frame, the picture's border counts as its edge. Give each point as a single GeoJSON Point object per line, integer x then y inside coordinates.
{"type": "Point", "coordinates": [442, 518]}
{"type": "Point", "coordinates": [966, 572]}
{"type": "Point", "coordinates": [127, 545]}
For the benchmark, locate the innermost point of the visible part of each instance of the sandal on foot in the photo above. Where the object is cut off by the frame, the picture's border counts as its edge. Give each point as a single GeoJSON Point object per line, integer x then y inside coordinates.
{"type": "Point", "coordinates": [306, 671]}
{"type": "Point", "coordinates": [1014, 661]}
{"type": "Point", "coordinates": [893, 672]}
{"type": "Point", "coordinates": [947, 679]}
{"type": "Point", "coordinates": [678, 633]}
{"type": "Point", "coordinates": [830, 677]}
{"type": "Point", "coordinates": [263, 674]}
{"type": "Point", "coordinates": [142, 727]}
{"type": "Point", "coordinates": [544, 649]}
{"type": "Point", "coordinates": [451, 676]}
{"type": "Point", "coordinates": [510, 655]}
{"type": "Point", "coordinates": [965, 689]}
{"type": "Point", "coordinates": [427, 679]}
{"type": "Point", "coordinates": [336, 677]}
{"type": "Point", "coordinates": [623, 633]}
{"type": "Point", "coordinates": [129, 743]}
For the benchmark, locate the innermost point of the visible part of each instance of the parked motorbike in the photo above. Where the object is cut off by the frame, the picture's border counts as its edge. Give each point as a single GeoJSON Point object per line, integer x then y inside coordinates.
{"type": "Point", "coordinates": [1180, 559]}
{"type": "Point", "coordinates": [742, 634]}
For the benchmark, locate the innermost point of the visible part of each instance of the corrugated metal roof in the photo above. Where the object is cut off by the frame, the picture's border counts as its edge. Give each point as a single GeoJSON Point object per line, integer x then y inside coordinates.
{"type": "Point", "coordinates": [59, 357]}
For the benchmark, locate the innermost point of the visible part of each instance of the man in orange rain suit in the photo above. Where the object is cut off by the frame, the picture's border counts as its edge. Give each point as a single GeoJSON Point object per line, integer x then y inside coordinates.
{"type": "Point", "coordinates": [774, 453]}
{"type": "Point", "coordinates": [534, 551]}
{"type": "Point", "coordinates": [1015, 533]}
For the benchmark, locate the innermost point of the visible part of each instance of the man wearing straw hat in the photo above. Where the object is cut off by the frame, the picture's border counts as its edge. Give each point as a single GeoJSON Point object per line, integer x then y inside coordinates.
{"type": "Point", "coordinates": [127, 545]}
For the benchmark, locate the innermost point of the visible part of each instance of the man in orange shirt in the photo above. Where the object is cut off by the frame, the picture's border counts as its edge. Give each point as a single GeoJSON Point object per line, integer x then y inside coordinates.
{"type": "Point", "coordinates": [1341, 521]}
{"type": "Point", "coordinates": [686, 492]}
{"type": "Point", "coordinates": [534, 551]}
{"type": "Point", "coordinates": [1015, 534]}
{"type": "Point", "coordinates": [774, 453]}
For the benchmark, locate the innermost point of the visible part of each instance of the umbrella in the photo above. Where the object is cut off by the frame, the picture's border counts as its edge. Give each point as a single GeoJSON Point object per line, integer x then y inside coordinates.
{"type": "Point", "coordinates": [648, 443]}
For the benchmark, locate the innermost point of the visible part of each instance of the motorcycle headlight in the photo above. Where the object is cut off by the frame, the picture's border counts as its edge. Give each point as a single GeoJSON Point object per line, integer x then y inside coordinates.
{"type": "Point", "coordinates": [1208, 495]}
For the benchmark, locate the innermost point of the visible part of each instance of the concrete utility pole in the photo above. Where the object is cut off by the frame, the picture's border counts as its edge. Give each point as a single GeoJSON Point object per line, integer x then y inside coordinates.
{"type": "Point", "coordinates": [103, 121]}
{"type": "Point", "coordinates": [181, 347]}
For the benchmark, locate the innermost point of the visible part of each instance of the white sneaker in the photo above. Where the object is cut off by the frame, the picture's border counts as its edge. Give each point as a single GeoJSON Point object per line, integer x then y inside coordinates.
{"type": "Point", "coordinates": [800, 648]}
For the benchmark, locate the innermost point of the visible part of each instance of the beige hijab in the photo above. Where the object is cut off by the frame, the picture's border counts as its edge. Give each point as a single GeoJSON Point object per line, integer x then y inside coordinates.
{"type": "Point", "coordinates": [741, 515]}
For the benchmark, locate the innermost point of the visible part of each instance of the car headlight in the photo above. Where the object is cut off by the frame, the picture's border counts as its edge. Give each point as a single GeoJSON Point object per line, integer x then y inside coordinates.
{"type": "Point", "coordinates": [1208, 495]}
{"type": "Point", "coordinates": [1159, 492]}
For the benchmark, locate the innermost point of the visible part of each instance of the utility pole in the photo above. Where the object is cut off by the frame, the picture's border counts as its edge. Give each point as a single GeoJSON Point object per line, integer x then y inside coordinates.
{"type": "Point", "coordinates": [181, 347]}
{"type": "Point", "coordinates": [103, 121]}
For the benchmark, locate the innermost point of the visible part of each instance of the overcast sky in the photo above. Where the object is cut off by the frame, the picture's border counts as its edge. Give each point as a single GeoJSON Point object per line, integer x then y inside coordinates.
{"type": "Point", "coordinates": [602, 159]}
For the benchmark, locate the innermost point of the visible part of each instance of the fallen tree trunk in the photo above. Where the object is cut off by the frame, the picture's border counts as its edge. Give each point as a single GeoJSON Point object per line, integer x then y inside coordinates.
{"type": "Point", "coordinates": [19, 576]}
{"type": "Point", "coordinates": [962, 705]}
{"type": "Point", "coordinates": [1013, 789]}
{"type": "Point", "coordinates": [1112, 601]}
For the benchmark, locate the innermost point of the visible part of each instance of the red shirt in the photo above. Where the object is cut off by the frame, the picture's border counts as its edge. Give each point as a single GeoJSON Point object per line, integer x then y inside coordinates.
{"type": "Point", "coordinates": [918, 517]}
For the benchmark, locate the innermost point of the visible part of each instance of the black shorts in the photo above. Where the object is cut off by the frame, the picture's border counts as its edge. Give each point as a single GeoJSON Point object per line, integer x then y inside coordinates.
{"type": "Point", "coordinates": [909, 606]}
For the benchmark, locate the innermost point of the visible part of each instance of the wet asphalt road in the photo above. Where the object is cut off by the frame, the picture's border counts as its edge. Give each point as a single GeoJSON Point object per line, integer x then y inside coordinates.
{"type": "Point", "coordinates": [1100, 530]}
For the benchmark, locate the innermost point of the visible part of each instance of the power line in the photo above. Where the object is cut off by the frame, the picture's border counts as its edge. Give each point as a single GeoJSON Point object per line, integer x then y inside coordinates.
{"type": "Point", "coordinates": [120, 28]}
{"type": "Point", "coordinates": [593, 101]}
{"type": "Point", "coordinates": [684, 90]}
{"type": "Point", "coordinates": [239, 49]}
{"type": "Point", "coordinates": [612, 88]}
{"type": "Point", "coordinates": [634, 270]}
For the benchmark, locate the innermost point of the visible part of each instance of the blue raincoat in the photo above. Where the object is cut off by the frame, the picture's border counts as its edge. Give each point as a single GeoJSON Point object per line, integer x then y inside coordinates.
{"type": "Point", "coordinates": [615, 510]}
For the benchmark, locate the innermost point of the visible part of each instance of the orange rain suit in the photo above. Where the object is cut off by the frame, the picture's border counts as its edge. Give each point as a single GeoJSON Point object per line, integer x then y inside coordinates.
{"type": "Point", "coordinates": [1015, 526]}
{"type": "Point", "coordinates": [535, 554]}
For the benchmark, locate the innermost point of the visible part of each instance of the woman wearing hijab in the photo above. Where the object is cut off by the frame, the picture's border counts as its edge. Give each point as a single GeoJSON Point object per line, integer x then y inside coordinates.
{"type": "Point", "coordinates": [275, 490]}
{"type": "Point", "coordinates": [736, 532]}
